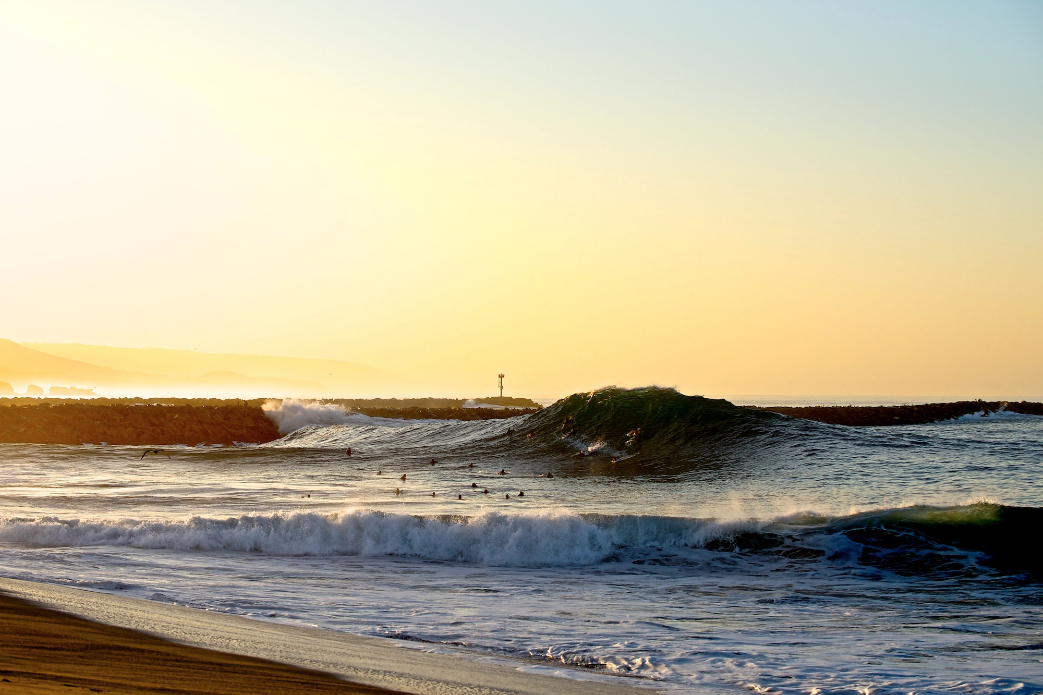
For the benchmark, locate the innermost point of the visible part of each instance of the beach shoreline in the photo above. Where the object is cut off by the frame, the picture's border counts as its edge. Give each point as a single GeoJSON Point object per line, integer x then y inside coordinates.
{"type": "Point", "coordinates": [46, 651]}
{"type": "Point", "coordinates": [364, 661]}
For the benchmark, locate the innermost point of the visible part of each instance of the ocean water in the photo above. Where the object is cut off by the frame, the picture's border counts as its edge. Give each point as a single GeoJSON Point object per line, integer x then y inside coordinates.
{"type": "Point", "coordinates": [680, 542]}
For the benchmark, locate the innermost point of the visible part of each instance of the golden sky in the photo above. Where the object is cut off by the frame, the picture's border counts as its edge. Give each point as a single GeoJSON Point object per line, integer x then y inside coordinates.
{"type": "Point", "coordinates": [729, 198]}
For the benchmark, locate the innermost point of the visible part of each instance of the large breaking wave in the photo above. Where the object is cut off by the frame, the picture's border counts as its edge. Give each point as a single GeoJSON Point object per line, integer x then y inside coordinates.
{"type": "Point", "coordinates": [610, 431]}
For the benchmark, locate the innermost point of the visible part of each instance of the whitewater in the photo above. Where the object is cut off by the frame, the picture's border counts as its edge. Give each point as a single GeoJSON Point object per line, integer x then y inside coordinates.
{"type": "Point", "coordinates": [683, 544]}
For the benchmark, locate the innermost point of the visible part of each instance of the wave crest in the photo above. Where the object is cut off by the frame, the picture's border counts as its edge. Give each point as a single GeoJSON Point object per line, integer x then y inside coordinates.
{"type": "Point", "coordinates": [292, 414]}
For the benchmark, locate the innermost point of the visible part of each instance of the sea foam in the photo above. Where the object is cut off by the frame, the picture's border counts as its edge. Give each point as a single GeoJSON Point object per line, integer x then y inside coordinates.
{"type": "Point", "coordinates": [549, 539]}
{"type": "Point", "coordinates": [292, 414]}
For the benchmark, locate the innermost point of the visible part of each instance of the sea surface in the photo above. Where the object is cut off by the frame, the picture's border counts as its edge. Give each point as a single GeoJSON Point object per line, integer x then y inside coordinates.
{"type": "Point", "coordinates": [681, 542]}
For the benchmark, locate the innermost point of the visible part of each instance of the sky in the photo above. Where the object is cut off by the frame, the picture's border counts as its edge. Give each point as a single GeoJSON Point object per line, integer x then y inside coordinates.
{"type": "Point", "coordinates": [728, 198]}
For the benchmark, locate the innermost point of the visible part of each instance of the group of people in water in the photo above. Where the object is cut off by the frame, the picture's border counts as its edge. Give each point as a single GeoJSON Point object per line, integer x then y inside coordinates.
{"type": "Point", "coordinates": [433, 462]}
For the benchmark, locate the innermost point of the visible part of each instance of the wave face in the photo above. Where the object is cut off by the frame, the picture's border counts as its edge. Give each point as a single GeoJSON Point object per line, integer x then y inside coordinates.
{"type": "Point", "coordinates": [922, 539]}
{"type": "Point", "coordinates": [644, 426]}
{"type": "Point", "coordinates": [916, 540]}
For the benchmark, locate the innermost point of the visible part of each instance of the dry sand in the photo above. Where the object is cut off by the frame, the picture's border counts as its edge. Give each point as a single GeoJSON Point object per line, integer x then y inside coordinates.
{"type": "Point", "coordinates": [147, 647]}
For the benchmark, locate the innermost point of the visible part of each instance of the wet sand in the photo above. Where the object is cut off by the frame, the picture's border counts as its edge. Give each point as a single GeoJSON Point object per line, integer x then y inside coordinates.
{"type": "Point", "coordinates": [63, 656]}
{"type": "Point", "coordinates": [45, 651]}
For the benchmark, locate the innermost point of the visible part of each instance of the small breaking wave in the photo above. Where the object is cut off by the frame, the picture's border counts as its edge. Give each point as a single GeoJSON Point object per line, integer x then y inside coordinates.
{"type": "Point", "coordinates": [915, 540]}
{"type": "Point", "coordinates": [305, 423]}
{"type": "Point", "coordinates": [552, 539]}
{"type": "Point", "coordinates": [292, 414]}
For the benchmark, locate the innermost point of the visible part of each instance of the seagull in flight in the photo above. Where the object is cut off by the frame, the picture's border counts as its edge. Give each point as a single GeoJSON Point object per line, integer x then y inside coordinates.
{"type": "Point", "coordinates": [155, 452]}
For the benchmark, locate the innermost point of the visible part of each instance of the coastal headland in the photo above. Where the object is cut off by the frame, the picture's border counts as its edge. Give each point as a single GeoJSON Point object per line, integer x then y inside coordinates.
{"type": "Point", "coordinates": [884, 415]}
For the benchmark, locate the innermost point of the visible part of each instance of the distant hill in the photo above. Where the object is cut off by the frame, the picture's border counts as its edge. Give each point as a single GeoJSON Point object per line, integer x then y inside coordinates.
{"type": "Point", "coordinates": [20, 365]}
{"type": "Point", "coordinates": [151, 371]}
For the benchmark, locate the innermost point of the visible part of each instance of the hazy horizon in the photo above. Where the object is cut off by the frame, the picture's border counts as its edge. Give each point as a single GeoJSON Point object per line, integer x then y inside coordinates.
{"type": "Point", "coordinates": [736, 198]}
{"type": "Point", "coordinates": [161, 372]}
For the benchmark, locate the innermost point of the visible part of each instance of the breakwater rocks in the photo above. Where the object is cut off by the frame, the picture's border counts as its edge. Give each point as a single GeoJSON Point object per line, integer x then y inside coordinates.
{"type": "Point", "coordinates": [434, 403]}
{"type": "Point", "coordinates": [882, 415]}
{"type": "Point", "coordinates": [445, 413]}
{"type": "Point", "coordinates": [87, 423]}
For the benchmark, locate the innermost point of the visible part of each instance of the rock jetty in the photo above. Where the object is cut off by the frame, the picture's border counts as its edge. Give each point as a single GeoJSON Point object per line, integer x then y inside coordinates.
{"type": "Point", "coordinates": [445, 413]}
{"type": "Point", "coordinates": [87, 423]}
{"type": "Point", "coordinates": [882, 415]}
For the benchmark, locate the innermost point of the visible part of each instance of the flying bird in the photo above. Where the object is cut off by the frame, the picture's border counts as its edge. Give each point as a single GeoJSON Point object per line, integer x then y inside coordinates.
{"type": "Point", "coordinates": [154, 452]}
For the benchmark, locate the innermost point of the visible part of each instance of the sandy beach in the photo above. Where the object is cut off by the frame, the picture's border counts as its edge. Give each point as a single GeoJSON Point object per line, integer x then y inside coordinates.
{"type": "Point", "coordinates": [46, 651]}
{"type": "Point", "coordinates": [104, 643]}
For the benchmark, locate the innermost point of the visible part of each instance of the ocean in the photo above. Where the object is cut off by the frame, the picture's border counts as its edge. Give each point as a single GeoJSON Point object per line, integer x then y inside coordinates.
{"type": "Point", "coordinates": [679, 542]}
